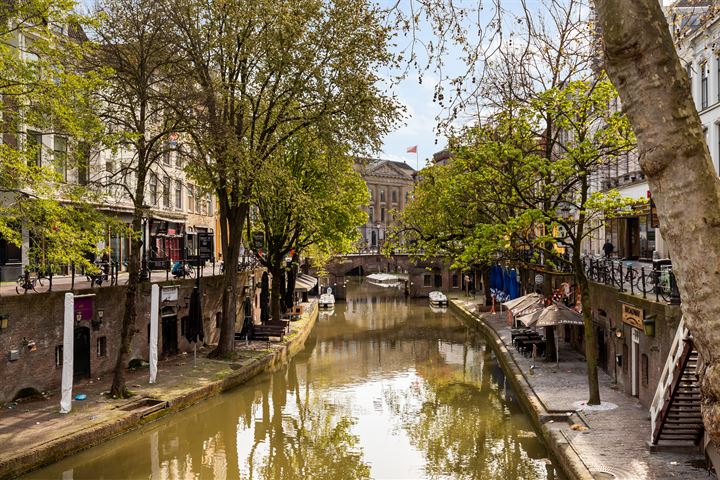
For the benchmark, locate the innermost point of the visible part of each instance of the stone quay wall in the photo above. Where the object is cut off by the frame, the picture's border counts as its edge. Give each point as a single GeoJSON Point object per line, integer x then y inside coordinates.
{"type": "Point", "coordinates": [31, 345]}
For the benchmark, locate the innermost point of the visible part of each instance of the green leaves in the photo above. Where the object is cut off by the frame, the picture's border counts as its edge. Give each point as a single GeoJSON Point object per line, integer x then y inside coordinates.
{"type": "Point", "coordinates": [521, 181]}
{"type": "Point", "coordinates": [47, 117]}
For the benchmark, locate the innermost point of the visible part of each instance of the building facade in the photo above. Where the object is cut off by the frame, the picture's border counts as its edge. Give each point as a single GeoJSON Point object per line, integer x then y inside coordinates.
{"type": "Point", "coordinates": [390, 185]}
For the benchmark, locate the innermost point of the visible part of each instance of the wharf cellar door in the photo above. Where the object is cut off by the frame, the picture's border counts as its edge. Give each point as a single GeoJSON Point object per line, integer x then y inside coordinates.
{"type": "Point", "coordinates": [169, 332]}
{"type": "Point", "coordinates": [81, 353]}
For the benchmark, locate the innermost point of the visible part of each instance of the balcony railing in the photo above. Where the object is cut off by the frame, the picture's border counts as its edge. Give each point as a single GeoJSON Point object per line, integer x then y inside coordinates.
{"type": "Point", "coordinates": [658, 281]}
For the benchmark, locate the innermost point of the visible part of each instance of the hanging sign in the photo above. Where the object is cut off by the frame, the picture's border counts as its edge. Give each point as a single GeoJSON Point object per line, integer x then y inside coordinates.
{"type": "Point", "coordinates": [633, 316]}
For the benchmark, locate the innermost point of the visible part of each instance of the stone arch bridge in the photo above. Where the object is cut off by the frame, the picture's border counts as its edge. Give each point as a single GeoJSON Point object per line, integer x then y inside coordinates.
{"type": "Point", "coordinates": [424, 275]}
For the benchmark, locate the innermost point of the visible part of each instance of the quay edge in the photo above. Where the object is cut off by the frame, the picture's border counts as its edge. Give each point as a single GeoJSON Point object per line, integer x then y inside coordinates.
{"type": "Point", "coordinates": [94, 434]}
{"type": "Point", "coordinates": [563, 453]}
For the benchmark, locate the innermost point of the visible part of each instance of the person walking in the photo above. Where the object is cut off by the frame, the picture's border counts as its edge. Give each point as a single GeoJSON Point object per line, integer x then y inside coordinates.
{"type": "Point", "coordinates": [608, 248]}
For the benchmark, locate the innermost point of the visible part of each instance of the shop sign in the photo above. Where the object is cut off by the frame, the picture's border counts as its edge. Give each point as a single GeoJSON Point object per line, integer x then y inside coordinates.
{"type": "Point", "coordinates": [654, 220]}
{"type": "Point", "coordinates": [205, 245]}
{"type": "Point", "coordinates": [84, 307]}
{"type": "Point", "coordinates": [169, 294]}
{"type": "Point", "coordinates": [633, 316]}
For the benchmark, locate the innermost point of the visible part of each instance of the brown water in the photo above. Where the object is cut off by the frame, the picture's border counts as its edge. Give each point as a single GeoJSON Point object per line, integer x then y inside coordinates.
{"type": "Point", "coordinates": [385, 388]}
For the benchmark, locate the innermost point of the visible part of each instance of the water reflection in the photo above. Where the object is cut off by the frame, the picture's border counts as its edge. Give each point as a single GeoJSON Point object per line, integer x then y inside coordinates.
{"type": "Point", "coordinates": [385, 388]}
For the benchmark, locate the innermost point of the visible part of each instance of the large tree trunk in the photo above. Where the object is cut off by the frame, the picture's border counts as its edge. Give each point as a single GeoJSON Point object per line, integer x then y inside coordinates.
{"type": "Point", "coordinates": [591, 357]}
{"type": "Point", "coordinates": [118, 388]}
{"type": "Point", "coordinates": [231, 221]}
{"type": "Point", "coordinates": [654, 89]}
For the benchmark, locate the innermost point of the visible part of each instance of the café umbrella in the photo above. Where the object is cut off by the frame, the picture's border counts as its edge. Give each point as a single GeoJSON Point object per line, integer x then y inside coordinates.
{"type": "Point", "coordinates": [551, 316]}
{"type": "Point", "coordinates": [525, 304]}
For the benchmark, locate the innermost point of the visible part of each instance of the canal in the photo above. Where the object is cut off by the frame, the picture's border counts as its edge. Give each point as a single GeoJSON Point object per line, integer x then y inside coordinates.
{"type": "Point", "coordinates": [385, 388]}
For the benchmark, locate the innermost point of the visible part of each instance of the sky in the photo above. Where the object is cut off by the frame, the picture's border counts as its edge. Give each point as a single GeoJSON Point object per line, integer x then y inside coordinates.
{"type": "Point", "coordinates": [419, 125]}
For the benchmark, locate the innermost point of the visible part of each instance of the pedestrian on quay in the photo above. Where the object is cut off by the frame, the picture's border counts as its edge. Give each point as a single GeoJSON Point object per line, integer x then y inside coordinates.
{"type": "Point", "coordinates": [608, 248]}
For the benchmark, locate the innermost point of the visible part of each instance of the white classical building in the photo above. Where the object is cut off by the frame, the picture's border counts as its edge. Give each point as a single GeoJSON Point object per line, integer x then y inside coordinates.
{"type": "Point", "coordinates": [636, 234]}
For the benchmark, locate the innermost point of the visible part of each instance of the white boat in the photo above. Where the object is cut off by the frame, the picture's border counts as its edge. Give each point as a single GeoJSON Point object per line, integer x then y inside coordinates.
{"type": "Point", "coordinates": [386, 280]}
{"type": "Point", "coordinates": [438, 299]}
{"type": "Point", "coordinates": [327, 300]}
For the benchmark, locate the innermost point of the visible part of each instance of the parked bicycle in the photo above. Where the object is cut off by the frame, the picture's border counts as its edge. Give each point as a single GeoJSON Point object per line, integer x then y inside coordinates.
{"type": "Point", "coordinates": [102, 274]}
{"type": "Point", "coordinates": [29, 281]}
{"type": "Point", "coordinates": [182, 269]}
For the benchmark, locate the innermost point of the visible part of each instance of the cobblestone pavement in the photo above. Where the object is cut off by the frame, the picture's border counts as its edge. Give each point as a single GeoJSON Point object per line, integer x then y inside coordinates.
{"type": "Point", "coordinates": [616, 439]}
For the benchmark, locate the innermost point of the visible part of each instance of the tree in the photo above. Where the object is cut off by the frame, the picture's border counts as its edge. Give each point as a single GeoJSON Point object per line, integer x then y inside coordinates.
{"type": "Point", "coordinates": [308, 194]}
{"type": "Point", "coordinates": [48, 117]}
{"type": "Point", "coordinates": [256, 75]}
{"type": "Point", "coordinates": [528, 203]}
{"type": "Point", "coordinates": [653, 85]}
{"type": "Point", "coordinates": [134, 47]}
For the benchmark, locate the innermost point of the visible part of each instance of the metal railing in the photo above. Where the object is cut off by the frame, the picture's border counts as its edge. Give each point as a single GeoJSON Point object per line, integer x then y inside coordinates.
{"type": "Point", "coordinates": [658, 282]}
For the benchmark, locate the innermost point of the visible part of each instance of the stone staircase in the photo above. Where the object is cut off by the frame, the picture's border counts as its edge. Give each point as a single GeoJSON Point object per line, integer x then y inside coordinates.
{"type": "Point", "coordinates": [676, 420]}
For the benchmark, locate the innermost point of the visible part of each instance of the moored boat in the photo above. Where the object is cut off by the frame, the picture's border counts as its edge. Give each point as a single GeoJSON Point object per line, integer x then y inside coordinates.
{"type": "Point", "coordinates": [386, 280]}
{"type": "Point", "coordinates": [327, 300]}
{"type": "Point", "coordinates": [438, 299]}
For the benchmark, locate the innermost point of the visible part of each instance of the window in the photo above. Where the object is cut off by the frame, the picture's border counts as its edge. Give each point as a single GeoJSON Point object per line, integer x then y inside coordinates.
{"type": "Point", "coordinates": [407, 197]}
{"type": "Point", "coordinates": [717, 129]}
{"type": "Point", "coordinates": [717, 82]}
{"type": "Point", "coordinates": [34, 143]}
{"type": "Point", "coordinates": [210, 210]}
{"type": "Point", "coordinates": [644, 370]}
{"type": "Point", "coordinates": [382, 195]}
{"type": "Point", "coordinates": [372, 195]}
{"type": "Point", "coordinates": [382, 214]}
{"type": "Point", "coordinates": [166, 192]}
{"type": "Point", "coordinates": [427, 280]}
{"type": "Point", "coordinates": [166, 153]}
{"type": "Point", "coordinates": [689, 74]}
{"type": "Point", "coordinates": [191, 197]}
{"type": "Point", "coordinates": [178, 194]}
{"type": "Point", "coordinates": [102, 347]}
{"type": "Point", "coordinates": [438, 280]}
{"type": "Point", "coordinates": [59, 356]}
{"type": "Point", "coordinates": [60, 157]}
{"type": "Point", "coordinates": [704, 85]}
{"type": "Point", "coordinates": [153, 189]}
{"type": "Point", "coordinates": [371, 214]}
{"type": "Point", "coordinates": [394, 196]}
{"type": "Point", "coordinates": [198, 200]}
{"type": "Point", "coordinates": [455, 280]}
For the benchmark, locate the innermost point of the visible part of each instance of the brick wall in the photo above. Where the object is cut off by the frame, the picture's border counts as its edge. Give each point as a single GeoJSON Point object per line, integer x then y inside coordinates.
{"type": "Point", "coordinates": [607, 313]}
{"type": "Point", "coordinates": [38, 319]}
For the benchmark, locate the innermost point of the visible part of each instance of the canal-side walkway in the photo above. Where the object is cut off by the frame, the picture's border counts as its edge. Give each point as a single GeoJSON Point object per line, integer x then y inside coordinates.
{"type": "Point", "coordinates": [34, 433]}
{"type": "Point", "coordinates": [600, 444]}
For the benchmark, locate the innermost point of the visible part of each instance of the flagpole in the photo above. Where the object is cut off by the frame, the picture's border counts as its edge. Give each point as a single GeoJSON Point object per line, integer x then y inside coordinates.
{"type": "Point", "coordinates": [416, 159]}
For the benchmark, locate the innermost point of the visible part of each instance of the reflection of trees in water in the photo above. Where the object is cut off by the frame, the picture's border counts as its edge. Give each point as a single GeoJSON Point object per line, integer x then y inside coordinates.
{"type": "Point", "coordinates": [312, 442]}
{"type": "Point", "coordinates": [462, 425]}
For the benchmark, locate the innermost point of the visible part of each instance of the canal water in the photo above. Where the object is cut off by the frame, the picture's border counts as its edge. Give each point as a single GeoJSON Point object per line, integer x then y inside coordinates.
{"type": "Point", "coordinates": [385, 388]}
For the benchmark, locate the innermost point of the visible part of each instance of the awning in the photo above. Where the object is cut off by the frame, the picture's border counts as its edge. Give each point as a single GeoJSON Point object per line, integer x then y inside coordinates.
{"type": "Point", "coordinates": [555, 314]}
{"type": "Point", "coordinates": [305, 283]}
{"type": "Point", "coordinates": [525, 303]}
{"type": "Point", "coordinates": [559, 314]}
